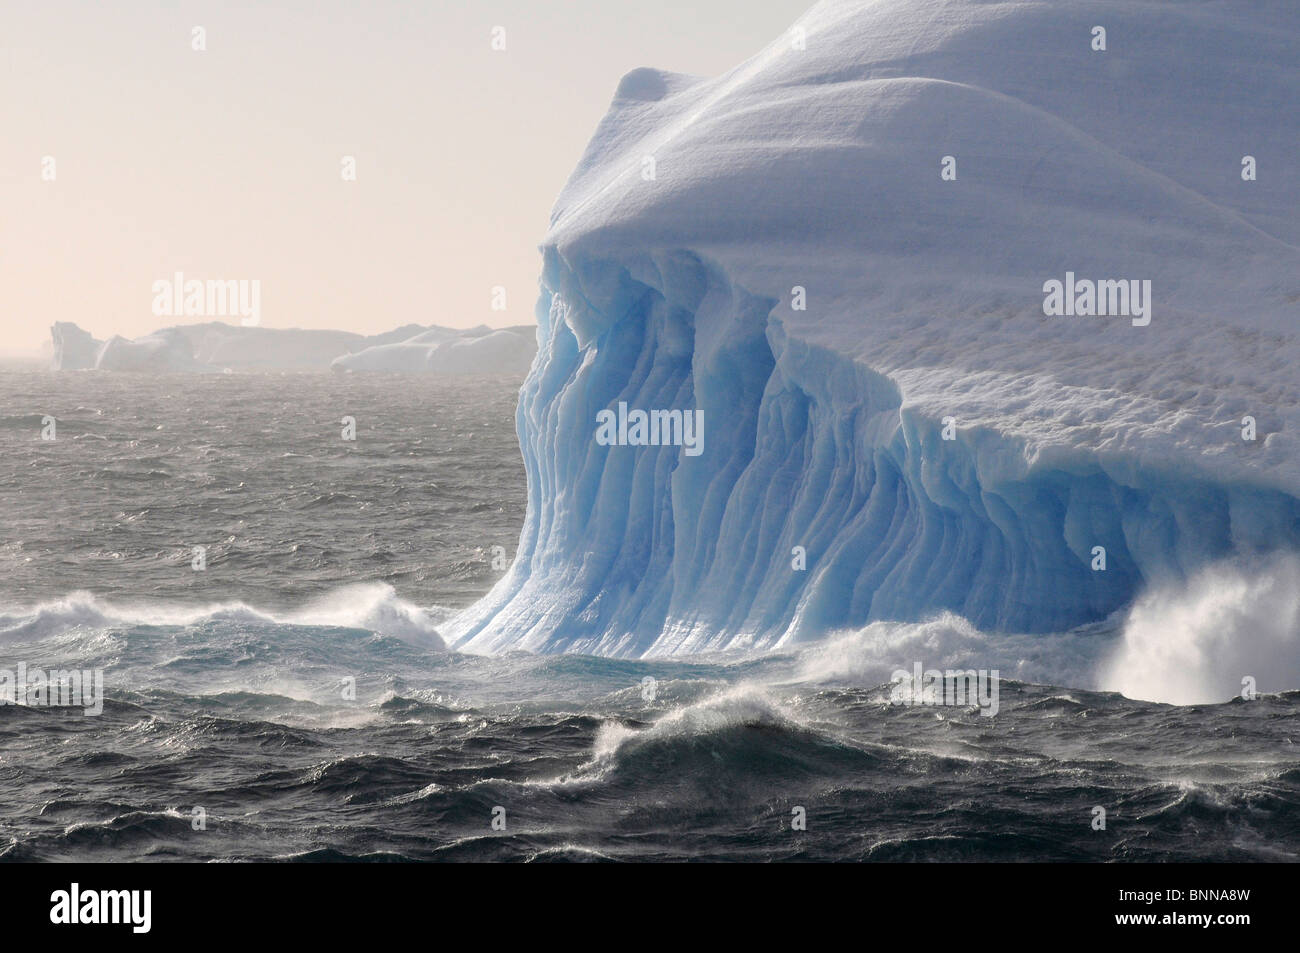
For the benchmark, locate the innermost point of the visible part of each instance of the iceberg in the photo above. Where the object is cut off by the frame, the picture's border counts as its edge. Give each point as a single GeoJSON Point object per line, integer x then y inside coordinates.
{"type": "Point", "coordinates": [216, 346]}
{"type": "Point", "coordinates": [442, 351]}
{"type": "Point", "coordinates": [840, 253]}
{"type": "Point", "coordinates": [73, 348]}
{"type": "Point", "coordinates": [166, 350]}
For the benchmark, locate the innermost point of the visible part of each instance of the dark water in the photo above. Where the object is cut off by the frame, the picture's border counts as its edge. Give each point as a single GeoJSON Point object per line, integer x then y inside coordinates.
{"type": "Point", "coordinates": [254, 468]}
{"type": "Point", "coordinates": [296, 693]}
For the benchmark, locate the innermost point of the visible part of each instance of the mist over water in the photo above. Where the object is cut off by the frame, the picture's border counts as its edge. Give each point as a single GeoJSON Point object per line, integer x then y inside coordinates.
{"type": "Point", "coordinates": [298, 692]}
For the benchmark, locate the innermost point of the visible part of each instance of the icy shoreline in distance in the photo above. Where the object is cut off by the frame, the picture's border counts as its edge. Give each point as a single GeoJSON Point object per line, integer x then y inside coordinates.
{"type": "Point", "coordinates": [819, 169]}
{"type": "Point", "coordinates": [215, 346]}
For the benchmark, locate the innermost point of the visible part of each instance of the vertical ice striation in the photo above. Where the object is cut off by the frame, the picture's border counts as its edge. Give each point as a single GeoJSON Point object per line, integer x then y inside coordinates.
{"type": "Point", "coordinates": [705, 212]}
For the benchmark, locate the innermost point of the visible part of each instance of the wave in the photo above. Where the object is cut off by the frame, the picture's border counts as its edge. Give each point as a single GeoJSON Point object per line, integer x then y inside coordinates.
{"type": "Point", "coordinates": [741, 736]}
{"type": "Point", "coordinates": [373, 607]}
{"type": "Point", "coordinates": [870, 655]}
{"type": "Point", "coordinates": [1183, 643]}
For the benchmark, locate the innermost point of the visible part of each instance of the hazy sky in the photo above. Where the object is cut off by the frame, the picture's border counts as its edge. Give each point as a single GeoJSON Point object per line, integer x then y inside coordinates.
{"type": "Point", "coordinates": [226, 163]}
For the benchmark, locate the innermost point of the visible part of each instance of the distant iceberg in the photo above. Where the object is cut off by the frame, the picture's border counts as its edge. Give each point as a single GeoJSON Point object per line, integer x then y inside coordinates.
{"type": "Point", "coordinates": [166, 350]}
{"type": "Point", "coordinates": [443, 352]}
{"type": "Point", "coordinates": [839, 253]}
{"type": "Point", "coordinates": [216, 346]}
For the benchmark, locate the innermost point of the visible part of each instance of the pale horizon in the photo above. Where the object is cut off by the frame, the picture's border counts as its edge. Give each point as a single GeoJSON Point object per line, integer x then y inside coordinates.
{"type": "Point", "coordinates": [226, 163]}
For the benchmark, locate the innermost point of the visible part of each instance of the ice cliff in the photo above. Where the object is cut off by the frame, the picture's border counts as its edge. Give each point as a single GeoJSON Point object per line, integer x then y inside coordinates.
{"type": "Point", "coordinates": [839, 251]}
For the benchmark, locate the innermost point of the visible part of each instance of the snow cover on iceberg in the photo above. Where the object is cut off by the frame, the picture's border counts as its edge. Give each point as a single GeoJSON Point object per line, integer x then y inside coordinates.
{"type": "Point", "coordinates": [706, 211]}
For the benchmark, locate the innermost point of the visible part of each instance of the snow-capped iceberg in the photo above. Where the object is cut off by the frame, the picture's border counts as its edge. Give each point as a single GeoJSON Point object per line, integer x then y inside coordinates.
{"type": "Point", "coordinates": [842, 253]}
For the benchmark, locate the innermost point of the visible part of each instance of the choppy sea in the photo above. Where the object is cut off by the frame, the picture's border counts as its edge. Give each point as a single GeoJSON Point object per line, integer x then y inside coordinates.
{"type": "Point", "coordinates": [262, 599]}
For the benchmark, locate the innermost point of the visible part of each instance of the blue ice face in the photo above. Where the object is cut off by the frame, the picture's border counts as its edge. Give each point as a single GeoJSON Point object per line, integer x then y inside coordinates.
{"type": "Point", "coordinates": [820, 501]}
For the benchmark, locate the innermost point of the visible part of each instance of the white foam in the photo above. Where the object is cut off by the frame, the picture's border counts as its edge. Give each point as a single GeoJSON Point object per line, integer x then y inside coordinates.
{"type": "Point", "coordinates": [371, 606]}
{"type": "Point", "coordinates": [869, 656]}
{"type": "Point", "coordinates": [1195, 641]}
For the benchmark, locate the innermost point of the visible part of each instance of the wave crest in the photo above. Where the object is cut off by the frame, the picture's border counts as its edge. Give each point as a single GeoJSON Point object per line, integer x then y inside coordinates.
{"type": "Point", "coordinates": [374, 607]}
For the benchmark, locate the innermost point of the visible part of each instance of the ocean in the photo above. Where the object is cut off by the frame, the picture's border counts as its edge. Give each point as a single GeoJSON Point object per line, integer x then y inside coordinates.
{"type": "Point", "coordinates": [263, 600]}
